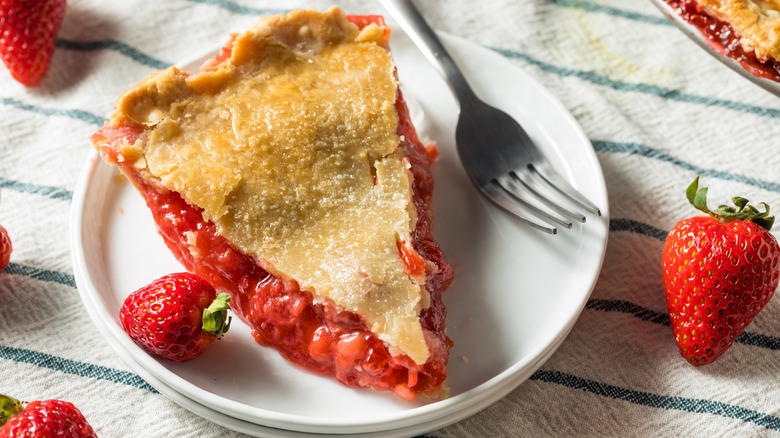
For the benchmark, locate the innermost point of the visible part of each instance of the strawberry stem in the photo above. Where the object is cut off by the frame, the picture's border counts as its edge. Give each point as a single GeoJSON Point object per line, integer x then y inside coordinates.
{"type": "Point", "coordinates": [9, 407]}
{"type": "Point", "coordinates": [215, 318]}
{"type": "Point", "coordinates": [726, 213]}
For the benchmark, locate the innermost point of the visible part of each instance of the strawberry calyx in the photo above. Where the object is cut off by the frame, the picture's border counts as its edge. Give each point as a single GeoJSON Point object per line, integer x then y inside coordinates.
{"type": "Point", "coordinates": [726, 213]}
{"type": "Point", "coordinates": [215, 317]}
{"type": "Point", "coordinates": [9, 408]}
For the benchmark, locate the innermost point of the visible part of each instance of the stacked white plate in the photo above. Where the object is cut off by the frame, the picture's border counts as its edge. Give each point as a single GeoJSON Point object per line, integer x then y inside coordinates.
{"type": "Point", "coordinates": [517, 292]}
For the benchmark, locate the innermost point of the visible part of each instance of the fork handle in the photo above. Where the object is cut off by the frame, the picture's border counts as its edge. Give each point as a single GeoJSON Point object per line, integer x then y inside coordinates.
{"type": "Point", "coordinates": [412, 22]}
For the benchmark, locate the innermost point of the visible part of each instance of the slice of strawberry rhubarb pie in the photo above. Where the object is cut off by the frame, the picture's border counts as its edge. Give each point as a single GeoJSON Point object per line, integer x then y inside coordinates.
{"type": "Point", "coordinates": [287, 173]}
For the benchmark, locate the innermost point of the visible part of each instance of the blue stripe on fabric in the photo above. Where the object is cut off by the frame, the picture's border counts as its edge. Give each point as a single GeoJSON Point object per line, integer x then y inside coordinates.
{"type": "Point", "coordinates": [753, 339]}
{"type": "Point", "coordinates": [637, 227]}
{"type": "Point", "coordinates": [73, 367]}
{"type": "Point", "coordinates": [48, 191]}
{"type": "Point", "coordinates": [615, 12]}
{"type": "Point", "coordinates": [40, 274]}
{"type": "Point", "coordinates": [240, 9]}
{"type": "Point", "coordinates": [84, 116]}
{"type": "Point", "coordinates": [648, 152]}
{"type": "Point", "coordinates": [759, 340]}
{"type": "Point", "coordinates": [627, 307]}
{"type": "Point", "coordinates": [695, 406]}
{"type": "Point", "coordinates": [630, 308]}
{"type": "Point", "coordinates": [117, 46]}
{"type": "Point", "coordinates": [653, 90]}
{"type": "Point", "coordinates": [691, 405]}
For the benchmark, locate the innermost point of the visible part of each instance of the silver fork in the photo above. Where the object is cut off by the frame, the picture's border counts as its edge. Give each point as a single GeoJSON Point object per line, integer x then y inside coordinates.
{"type": "Point", "coordinates": [497, 153]}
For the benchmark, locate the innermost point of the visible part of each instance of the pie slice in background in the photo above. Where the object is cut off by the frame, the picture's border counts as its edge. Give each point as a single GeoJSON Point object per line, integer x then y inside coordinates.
{"type": "Point", "coordinates": [287, 172]}
{"type": "Point", "coordinates": [747, 31]}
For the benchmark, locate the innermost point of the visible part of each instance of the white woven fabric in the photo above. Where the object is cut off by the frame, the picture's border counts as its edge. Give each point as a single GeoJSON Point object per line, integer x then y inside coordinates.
{"type": "Point", "coordinates": [657, 109]}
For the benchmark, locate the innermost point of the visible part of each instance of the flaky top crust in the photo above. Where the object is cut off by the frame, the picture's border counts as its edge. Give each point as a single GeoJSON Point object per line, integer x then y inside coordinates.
{"type": "Point", "coordinates": [757, 22]}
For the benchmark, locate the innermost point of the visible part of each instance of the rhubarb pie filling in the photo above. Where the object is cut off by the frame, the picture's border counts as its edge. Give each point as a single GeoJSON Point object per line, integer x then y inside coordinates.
{"type": "Point", "coordinates": [287, 173]}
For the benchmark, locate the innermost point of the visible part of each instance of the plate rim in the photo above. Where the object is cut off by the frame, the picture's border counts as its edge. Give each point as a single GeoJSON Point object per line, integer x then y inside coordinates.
{"type": "Point", "coordinates": [480, 396]}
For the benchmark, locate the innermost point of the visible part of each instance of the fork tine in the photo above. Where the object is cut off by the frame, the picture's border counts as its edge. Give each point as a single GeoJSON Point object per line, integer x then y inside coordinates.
{"type": "Point", "coordinates": [498, 196]}
{"type": "Point", "coordinates": [531, 181]}
{"type": "Point", "coordinates": [551, 176]}
{"type": "Point", "coordinates": [529, 200]}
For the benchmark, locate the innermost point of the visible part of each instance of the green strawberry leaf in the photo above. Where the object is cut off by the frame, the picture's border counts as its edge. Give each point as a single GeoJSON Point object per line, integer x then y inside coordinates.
{"type": "Point", "coordinates": [690, 192]}
{"type": "Point", "coordinates": [726, 213]}
{"type": "Point", "coordinates": [215, 318]}
{"type": "Point", "coordinates": [765, 223]}
{"type": "Point", "coordinates": [740, 202]}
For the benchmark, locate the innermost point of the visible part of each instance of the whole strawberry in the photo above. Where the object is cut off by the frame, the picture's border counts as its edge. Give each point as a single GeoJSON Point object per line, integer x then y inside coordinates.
{"type": "Point", "coordinates": [719, 271]}
{"type": "Point", "coordinates": [46, 418]}
{"type": "Point", "coordinates": [5, 248]}
{"type": "Point", "coordinates": [28, 32]}
{"type": "Point", "coordinates": [175, 317]}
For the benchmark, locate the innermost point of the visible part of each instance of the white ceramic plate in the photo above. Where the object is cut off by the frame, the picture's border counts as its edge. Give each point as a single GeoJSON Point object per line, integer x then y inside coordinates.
{"type": "Point", "coordinates": [695, 34]}
{"type": "Point", "coordinates": [258, 429]}
{"type": "Point", "coordinates": [516, 296]}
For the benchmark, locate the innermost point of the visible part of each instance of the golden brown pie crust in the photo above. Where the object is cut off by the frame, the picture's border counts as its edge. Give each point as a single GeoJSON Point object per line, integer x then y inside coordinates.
{"type": "Point", "coordinates": [756, 22]}
{"type": "Point", "coordinates": [290, 148]}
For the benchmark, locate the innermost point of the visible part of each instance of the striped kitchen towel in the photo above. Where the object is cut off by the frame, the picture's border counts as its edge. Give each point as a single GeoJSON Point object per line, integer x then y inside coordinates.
{"type": "Point", "coordinates": [656, 108]}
